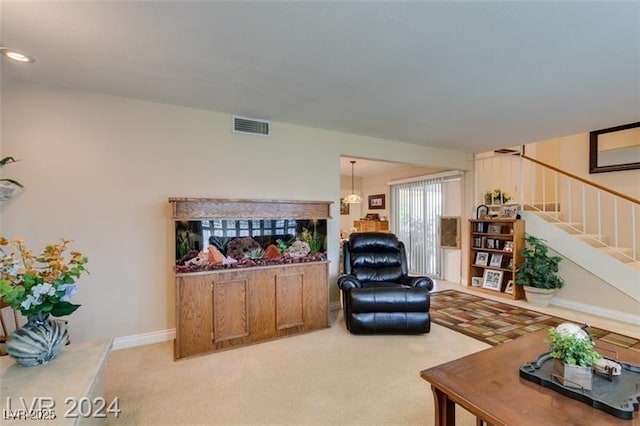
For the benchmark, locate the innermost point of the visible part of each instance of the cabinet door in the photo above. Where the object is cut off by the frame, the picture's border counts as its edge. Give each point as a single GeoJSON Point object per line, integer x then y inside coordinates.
{"type": "Point", "coordinates": [194, 316]}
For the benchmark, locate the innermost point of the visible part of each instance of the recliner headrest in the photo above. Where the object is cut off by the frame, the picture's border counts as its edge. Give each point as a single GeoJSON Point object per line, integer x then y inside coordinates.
{"type": "Point", "coordinates": [374, 242]}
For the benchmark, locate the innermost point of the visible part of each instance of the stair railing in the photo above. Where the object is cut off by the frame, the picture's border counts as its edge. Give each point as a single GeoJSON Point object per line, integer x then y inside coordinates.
{"type": "Point", "coordinates": [604, 218]}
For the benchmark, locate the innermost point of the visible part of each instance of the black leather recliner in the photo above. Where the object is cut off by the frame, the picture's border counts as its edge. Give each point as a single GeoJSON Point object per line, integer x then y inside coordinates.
{"type": "Point", "coordinates": [378, 295]}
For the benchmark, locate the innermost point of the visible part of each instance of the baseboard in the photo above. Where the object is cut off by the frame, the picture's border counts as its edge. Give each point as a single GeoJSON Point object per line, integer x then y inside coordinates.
{"type": "Point", "coordinates": [164, 335]}
{"type": "Point", "coordinates": [596, 310]}
{"type": "Point", "coordinates": [143, 339]}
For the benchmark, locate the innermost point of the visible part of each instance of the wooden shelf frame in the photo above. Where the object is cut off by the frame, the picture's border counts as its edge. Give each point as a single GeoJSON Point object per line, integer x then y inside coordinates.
{"type": "Point", "coordinates": [511, 230]}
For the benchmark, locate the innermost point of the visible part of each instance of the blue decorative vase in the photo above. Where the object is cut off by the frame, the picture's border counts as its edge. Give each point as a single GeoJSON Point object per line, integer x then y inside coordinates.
{"type": "Point", "coordinates": [37, 342]}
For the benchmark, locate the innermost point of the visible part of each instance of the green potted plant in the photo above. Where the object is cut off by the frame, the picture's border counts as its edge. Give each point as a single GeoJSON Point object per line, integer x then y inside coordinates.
{"type": "Point", "coordinates": [7, 186]}
{"type": "Point", "coordinates": [573, 355]}
{"type": "Point", "coordinates": [538, 272]}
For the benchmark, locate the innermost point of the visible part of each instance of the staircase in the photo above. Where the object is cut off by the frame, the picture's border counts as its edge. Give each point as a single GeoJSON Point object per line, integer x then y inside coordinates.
{"type": "Point", "coordinates": [590, 225]}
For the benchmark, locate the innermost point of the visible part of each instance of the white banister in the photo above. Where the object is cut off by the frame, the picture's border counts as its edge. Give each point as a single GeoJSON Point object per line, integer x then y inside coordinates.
{"type": "Point", "coordinates": [567, 198]}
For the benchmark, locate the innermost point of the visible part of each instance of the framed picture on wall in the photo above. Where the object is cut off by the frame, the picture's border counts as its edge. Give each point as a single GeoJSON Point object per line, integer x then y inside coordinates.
{"type": "Point", "coordinates": [344, 207]}
{"type": "Point", "coordinates": [376, 201]}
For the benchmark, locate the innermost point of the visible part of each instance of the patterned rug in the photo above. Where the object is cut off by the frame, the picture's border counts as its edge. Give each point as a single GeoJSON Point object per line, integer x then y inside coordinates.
{"type": "Point", "coordinates": [495, 322]}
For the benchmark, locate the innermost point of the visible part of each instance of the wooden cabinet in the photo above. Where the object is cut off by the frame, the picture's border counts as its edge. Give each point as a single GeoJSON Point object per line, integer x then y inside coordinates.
{"type": "Point", "coordinates": [495, 247]}
{"type": "Point", "coordinates": [226, 308]}
{"type": "Point", "coordinates": [371, 225]}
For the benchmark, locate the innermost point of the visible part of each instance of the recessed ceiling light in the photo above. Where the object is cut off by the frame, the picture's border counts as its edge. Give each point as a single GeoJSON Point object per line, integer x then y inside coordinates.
{"type": "Point", "coordinates": [15, 55]}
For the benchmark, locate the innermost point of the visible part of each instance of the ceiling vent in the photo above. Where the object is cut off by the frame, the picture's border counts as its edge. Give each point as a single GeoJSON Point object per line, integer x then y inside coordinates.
{"type": "Point", "coordinates": [250, 126]}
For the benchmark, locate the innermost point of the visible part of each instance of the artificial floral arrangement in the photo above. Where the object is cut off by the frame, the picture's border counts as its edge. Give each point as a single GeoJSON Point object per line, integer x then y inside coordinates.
{"type": "Point", "coordinates": [42, 284]}
{"type": "Point", "coordinates": [498, 195]}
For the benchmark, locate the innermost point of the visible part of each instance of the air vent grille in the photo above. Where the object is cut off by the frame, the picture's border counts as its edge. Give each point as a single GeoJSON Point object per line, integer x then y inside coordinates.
{"type": "Point", "coordinates": [250, 126]}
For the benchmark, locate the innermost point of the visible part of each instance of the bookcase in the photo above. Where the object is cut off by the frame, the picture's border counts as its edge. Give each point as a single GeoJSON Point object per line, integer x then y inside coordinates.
{"type": "Point", "coordinates": [495, 251]}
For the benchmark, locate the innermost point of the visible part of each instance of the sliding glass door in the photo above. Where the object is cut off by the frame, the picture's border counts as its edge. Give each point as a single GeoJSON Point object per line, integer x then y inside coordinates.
{"type": "Point", "coordinates": [415, 209]}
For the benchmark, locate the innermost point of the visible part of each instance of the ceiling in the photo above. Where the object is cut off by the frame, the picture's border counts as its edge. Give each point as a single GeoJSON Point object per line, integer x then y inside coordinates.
{"type": "Point", "coordinates": [365, 168]}
{"type": "Point", "coordinates": [469, 76]}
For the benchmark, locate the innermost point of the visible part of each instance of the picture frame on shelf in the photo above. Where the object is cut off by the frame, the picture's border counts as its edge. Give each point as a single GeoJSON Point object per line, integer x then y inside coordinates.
{"type": "Point", "coordinates": [494, 228]}
{"type": "Point", "coordinates": [510, 265]}
{"type": "Point", "coordinates": [508, 211]}
{"type": "Point", "coordinates": [476, 281]}
{"type": "Point", "coordinates": [492, 279]}
{"type": "Point", "coordinates": [509, 287]}
{"type": "Point", "coordinates": [482, 258]}
{"type": "Point", "coordinates": [376, 201]}
{"type": "Point", "coordinates": [477, 242]}
{"type": "Point", "coordinates": [491, 243]}
{"type": "Point", "coordinates": [508, 246]}
{"type": "Point", "coordinates": [496, 260]}
{"type": "Point", "coordinates": [482, 211]}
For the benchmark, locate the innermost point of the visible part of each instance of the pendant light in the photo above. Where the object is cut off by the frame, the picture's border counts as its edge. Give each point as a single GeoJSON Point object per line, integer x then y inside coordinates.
{"type": "Point", "coordinates": [352, 198]}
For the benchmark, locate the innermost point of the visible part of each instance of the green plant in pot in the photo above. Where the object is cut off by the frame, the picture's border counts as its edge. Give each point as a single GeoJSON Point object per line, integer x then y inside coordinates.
{"type": "Point", "coordinates": [7, 186]}
{"type": "Point", "coordinates": [574, 355]}
{"type": "Point", "coordinates": [538, 272]}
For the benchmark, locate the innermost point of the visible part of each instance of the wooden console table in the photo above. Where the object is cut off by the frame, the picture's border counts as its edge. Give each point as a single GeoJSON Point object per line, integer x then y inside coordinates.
{"type": "Point", "coordinates": [488, 385]}
{"type": "Point", "coordinates": [73, 377]}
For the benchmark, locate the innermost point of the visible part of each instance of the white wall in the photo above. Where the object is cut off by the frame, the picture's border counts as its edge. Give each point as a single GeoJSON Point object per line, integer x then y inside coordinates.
{"type": "Point", "coordinates": [99, 169]}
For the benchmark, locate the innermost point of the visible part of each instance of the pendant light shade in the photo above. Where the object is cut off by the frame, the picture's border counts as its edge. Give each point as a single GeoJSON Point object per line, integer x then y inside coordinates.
{"type": "Point", "coordinates": [352, 198]}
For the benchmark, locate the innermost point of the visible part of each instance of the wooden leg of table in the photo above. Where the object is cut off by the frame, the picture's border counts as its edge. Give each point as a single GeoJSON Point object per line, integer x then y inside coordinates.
{"type": "Point", "coordinates": [445, 408]}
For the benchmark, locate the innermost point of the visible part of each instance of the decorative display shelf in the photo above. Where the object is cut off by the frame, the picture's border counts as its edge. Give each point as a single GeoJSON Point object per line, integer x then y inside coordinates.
{"type": "Point", "coordinates": [495, 246]}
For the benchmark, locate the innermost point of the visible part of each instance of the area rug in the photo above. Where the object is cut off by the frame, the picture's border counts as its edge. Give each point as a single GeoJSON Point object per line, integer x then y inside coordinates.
{"type": "Point", "coordinates": [495, 322]}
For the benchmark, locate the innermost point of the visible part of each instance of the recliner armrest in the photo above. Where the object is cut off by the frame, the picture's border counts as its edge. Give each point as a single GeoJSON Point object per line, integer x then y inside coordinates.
{"type": "Point", "coordinates": [419, 282]}
{"type": "Point", "coordinates": [348, 282]}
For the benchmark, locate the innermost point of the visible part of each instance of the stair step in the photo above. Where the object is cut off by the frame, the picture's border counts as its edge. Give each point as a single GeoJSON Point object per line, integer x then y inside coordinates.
{"type": "Point", "coordinates": [634, 265]}
{"type": "Point", "coordinates": [548, 207]}
{"type": "Point", "coordinates": [593, 240]}
{"type": "Point", "coordinates": [623, 254]}
{"type": "Point", "coordinates": [570, 227]}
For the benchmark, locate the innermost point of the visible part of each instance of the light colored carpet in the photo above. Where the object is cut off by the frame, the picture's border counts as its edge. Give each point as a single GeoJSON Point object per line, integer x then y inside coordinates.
{"type": "Point", "coordinates": [324, 377]}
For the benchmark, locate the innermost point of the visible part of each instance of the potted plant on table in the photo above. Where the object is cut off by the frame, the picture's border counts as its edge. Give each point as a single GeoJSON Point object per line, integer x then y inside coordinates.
{"type": "Point", "coordinates": [573, 354]}
{"type": "Point", "coordinates": [7, 186]}
{"type": "Point", "coordinates": [538, 273]}
{"type": "Point", "coordinates": [39, 286]}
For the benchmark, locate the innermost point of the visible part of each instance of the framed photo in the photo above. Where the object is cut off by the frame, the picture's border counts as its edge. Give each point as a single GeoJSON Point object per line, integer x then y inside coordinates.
{"type": "Point", "coordinates": [482, 258]}
{"type": "Point", "coordinates": [491, 243]}
{"type": "Point", "coordinates": [496, 260]}
{"type": "Point", "coordinates": [494, 228]}
{"type": "Point", "coordinates": [476, 281]}
{"type": "Point", "coordinates": [492, 279]}
{"type": "Point", "coordinates": [477, 242]}
{"type": "Point", "coordinates": [509, 211]}
{"type": "Point", "coordinates": [344, 207]}
{"type": "Point", "coordinates": [510, 265]}
{"type": "Point", "coordinates": [376, 201]}
{"type": "Point", "coordinates": [481, 212]}
{"type": "Point", "coordinates": [508, 246]}
{"type": "Point", "coordinates": [509, 287]}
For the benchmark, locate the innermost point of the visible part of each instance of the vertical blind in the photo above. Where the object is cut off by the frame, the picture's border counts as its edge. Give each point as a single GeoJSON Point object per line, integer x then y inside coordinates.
{"type": "Point", "coordinates": [415, 209]}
